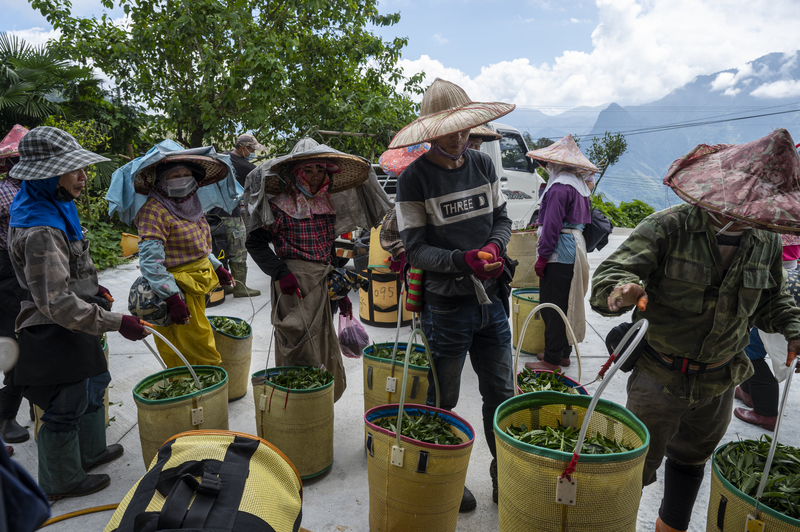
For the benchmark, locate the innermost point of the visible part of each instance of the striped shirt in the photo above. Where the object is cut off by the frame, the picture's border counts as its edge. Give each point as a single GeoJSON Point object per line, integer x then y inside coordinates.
{"type": "Point", "coordinates": [184, 241]}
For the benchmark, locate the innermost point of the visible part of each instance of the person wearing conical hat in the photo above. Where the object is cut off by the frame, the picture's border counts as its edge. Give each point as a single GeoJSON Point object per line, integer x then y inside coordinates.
{"type": "Point", "coordinates": [700, 273]}
{"type": "Point", "coordinates": [562, 264]}
{"type": "Point", "coordinates": [453, 223]}
{"type": "Point", "coordinates": [61, 365]}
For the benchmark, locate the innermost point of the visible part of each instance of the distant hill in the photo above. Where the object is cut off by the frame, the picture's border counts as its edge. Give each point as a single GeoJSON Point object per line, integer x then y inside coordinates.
{"type": "Point", "coordinates": [770, 84]}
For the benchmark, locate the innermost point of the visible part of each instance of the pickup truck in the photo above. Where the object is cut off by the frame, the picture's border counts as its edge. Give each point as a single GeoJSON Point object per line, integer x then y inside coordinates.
{"type": "Point", "coordinates": [519, 182]}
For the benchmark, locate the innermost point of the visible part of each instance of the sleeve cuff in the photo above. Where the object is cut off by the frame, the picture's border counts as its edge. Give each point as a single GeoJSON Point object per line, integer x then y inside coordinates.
{"type": "Point", "coordinates": [458, 260]}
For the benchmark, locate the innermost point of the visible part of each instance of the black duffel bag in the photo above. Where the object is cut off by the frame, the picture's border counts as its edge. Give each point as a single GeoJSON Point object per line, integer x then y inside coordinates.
{"type": "Point", "coordinates": [596, 233]}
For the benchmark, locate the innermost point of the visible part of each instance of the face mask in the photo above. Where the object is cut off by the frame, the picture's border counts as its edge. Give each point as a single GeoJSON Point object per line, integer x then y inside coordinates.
{"type": "Point", "coordinates": [251, 156]}
{"type": "Point", "coordinates": [181, 186]}
{"type": "Point", "coordinates": [439, 151]}
{"type": "Point", "coordinates": [62, 194]}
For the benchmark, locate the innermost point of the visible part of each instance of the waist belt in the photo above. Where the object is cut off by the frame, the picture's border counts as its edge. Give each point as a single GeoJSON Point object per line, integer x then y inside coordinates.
{"type": "Point", "coordinates": [687, 366]}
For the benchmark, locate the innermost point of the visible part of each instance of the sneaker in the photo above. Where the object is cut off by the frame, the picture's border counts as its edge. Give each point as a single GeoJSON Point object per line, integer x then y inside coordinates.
{"type": "Point", "coordinates": [468, 502]}
{"type": "Point", "coordinates": [493, 474]}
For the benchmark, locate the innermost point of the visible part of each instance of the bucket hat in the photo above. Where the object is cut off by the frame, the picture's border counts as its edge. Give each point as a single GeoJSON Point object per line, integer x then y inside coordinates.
{"type": "Point", "coordinates": [757, 183]}
{"type": "Point", "coordinates": [216, 170]}
{"type": "Point", "coordinates": [46, 152]}
{"type": "Point", "coordinates": [565, 152]}
{"type": "Point", "coordinates": [9, 146]}
{"type": "Point", "coordinates": [445, 109]}
{"type": "Point", "coordinates": [277, 172]}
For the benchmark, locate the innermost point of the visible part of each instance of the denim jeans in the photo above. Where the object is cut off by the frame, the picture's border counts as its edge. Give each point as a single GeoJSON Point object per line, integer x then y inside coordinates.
{"type": "Point", "coordinates": [482, 330]}
{"type": "Point", "coordinates": [69, 404]}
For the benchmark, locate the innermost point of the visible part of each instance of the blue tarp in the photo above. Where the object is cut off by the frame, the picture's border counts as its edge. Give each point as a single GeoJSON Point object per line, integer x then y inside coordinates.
{"type": "Point", "coordinates": [123, 200]}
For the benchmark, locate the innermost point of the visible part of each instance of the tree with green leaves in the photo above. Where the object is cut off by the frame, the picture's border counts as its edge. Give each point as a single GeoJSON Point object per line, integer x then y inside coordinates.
{"type": "Point", "coordinates": [605, 152]}
{"type": "Point", "coordinates": [213, 68]}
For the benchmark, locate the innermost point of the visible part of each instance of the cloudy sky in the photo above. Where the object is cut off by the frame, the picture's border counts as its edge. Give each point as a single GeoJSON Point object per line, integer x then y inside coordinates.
{"type": "Point", "coordinates": [554, 55]}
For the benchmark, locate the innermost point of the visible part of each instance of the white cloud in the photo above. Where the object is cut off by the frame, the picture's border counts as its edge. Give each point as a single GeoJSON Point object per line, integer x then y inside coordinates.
{"type": "Point", "coordinates": [641, 50]}
{"type": "Point", "coordinates": [439, 39]}
{"type": "Point", "coordinates": [778, 89]}
{"type": "Point", "coordinates": [36, 36]}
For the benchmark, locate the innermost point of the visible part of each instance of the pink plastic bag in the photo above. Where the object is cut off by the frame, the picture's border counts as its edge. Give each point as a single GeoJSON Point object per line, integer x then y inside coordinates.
{"type": "Point", "coordinates": [352, 337]}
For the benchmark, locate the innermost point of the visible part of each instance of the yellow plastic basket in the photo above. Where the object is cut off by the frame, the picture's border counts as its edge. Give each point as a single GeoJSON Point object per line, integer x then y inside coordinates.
{"type": "Point", "coordinates": [523, 300]}
{"type": "Point", "coordinates": [236, 353]}
{"type": "Point", "coordinates": [522, 248]}
{"type": "Point", "coordinates": [377, 370]}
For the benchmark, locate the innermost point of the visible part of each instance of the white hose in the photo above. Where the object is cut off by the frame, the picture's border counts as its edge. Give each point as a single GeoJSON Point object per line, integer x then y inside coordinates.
{"type": "Point", "coordinates": [189, 366]}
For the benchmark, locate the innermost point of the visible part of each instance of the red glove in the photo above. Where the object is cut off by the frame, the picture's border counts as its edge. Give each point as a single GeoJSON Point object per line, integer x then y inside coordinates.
{"type": "Point", "coordinates": [102, 291]}
{"type": "Point", "coordinates": [131, 329]}
{"type": "Point", "coordinates": [224, 277]}
{"type": "Point", "coordinates": [289, 285]}
{"type": "Point", "coordinates": [541, 262]}
{"type": "Point", "coordinates": [178, 311]}
{"type": "Point", "coordinates": [494, 250]}
{"type": "Point", "coordinates": [346, 307]}
{"type": "Point", "coordinates": [398, 265]}
{"type": "Point", "coordinates": [478, 266]}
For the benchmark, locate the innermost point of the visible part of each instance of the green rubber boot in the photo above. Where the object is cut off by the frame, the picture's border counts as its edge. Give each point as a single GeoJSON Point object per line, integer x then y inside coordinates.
{"type": "Point", "coordinates": [239, 272]}
{"type": "Point", "coordinates": [60, 468]}
{"type": "Point", "coordinates": [92, 440]}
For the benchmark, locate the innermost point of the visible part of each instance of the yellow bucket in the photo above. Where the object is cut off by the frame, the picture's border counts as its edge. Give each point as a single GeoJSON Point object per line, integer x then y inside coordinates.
{"type": "Point", "coordinates": [298, 422]}
{"type": "Point", "coordinates": [378, 257]}
{"type": "Point", "coordinates": [378, 369]}
{"type": "Point", "coordinates": [522, 248]}
{"type": "Point", "coordinates": [523, 301]}
{"type": "Point", "coordinates": [129, 244]}
{"type": "Point", "coordinates": [236, 353]}
{"type": "Point", "coordinates": [378, 304]}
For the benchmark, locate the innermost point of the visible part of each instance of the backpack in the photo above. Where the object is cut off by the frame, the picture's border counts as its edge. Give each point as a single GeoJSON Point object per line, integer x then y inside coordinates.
{"type": "Point", "coordinates": [596, 233]}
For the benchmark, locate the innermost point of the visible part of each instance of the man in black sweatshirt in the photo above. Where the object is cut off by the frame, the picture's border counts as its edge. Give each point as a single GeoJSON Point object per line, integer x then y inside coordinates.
{"type": "Point", "coordinates": [453, 223]}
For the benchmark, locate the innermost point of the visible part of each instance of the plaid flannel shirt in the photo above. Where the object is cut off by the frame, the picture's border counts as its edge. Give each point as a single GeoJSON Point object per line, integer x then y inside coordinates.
{"type": "Point", "coordinates": [8, 189]}
{"type": "Point", "coordinates": [309, 239]}
{"type": "Point", "coordinates": [184, 241]}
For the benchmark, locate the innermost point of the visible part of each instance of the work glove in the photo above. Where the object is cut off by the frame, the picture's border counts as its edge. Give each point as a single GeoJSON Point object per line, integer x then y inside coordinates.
{"type": "Point", "coordinates": [102, 291]}
{"type": "Point", "coordinates": [131, 329]}
{"type": "Point", "coordinates": [346, 307]}
{"type": "Point", "coordinates": [398, 265]}
{"type": "Point", "coordinates": [494, 250]}
{"type": "Point", "coordinates": [541, 262]}
{"type": "Point", "coordinates": [481, 267]}
{"type": "Point", "coordinates": [224, 276]}
{"type": "Point", "coordinates": [289, 285]}
{"type": "Point", "coordinates": [178, 311]}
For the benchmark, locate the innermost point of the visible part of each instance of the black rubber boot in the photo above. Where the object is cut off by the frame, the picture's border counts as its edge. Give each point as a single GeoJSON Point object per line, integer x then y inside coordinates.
{"type": "Point", "coordinates": [92, 484]}
{"type": "Point", "coordinates": [468, 502]}
{"type": "Point", "coordinates": [681, 484]}
{"type": "Point", "coordinates": [13, 432]}
{"type": "Point", "coordinates": [493, 474]}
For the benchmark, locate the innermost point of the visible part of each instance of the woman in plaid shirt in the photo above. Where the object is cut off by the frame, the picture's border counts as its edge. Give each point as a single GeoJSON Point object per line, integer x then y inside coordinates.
{"type": "Point", "coordinates": [175, 253]}
{"type": "Point", "coordinates": [303, 236]}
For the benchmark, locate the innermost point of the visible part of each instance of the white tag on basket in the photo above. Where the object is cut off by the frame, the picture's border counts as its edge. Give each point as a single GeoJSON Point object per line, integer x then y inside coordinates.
{"type": "Point", "coordinates": [197, 416]}
{"type": "Point", "coordinates": [262, 402]}
{"type": "Point", "coordinates": [566, 491]}
{"type": "Point", "coordinates": [397, 456]}
{"type": "Point", "coordinates": [391, 384]}
{"type": "Point", "coordinates": [569, 418]}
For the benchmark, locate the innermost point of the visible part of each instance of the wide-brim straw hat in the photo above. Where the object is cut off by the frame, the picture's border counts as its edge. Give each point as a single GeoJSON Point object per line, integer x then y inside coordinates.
{"type": "Point", "coordinates": [446, 109]}
{"type": "Point", "coordinates": [354, 169]}
{"type": "Point", "coordinates": [565, 152]}
{"type": "Point", "coordinates": [9, 146]}
{"type": "Point", "coordinates": [46, 152]}
{"type": "Point", "coordinates": [216, 170]}
{"type": "Point", "coordinates": [757, 183]}
{"type": "Point", "coordinates": [485, 133]}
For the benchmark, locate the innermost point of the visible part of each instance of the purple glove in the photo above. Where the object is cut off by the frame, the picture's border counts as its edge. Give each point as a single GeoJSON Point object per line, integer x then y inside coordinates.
{"type": "Point", "coordinates": [346, 307]}
{"type": "Point", "coordinates": [289, 285]}
{"type": "Point", "coordinates": [477, 265]}
{"type": "Point", "coordinates": [541, 262]}
{"type": "Point", "coordinates": [131, 329]}
{"type": "Point", "coordinates": [178, 311]}
{"type": "Point", "coordinates": [494, 250]}
{"type": "Point", "coordinates": [224, 277]}
{"type": "Point", "coordinates": [102, 291]}
{"type": "Point", "coordinates": [397, 265]}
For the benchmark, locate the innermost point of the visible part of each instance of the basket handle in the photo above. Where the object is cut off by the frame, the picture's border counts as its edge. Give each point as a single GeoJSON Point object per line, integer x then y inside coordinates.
{"type": "Point", "coordinates": [189, 366]}
{"type": "Point", "coordinates": [640, 328]}
{"type": "Point", "coordinates": [792, 362]}
{"type": "Point", "coordinates": [409, 348]}
{"type": "Point", "coordinates": [522, 332]}
{"type": "Point", "coordinates": [397, 333]}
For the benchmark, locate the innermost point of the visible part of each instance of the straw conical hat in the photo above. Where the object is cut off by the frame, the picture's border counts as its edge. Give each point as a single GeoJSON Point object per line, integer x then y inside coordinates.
{"type": "Point", "coordinates": [445, 109]}
{"type": "Point", "coordinates": [485, 133]}
{"type": "Point", "coordinates": [565, 152]}
{"type": "Point", "coordinates": [757, 183]}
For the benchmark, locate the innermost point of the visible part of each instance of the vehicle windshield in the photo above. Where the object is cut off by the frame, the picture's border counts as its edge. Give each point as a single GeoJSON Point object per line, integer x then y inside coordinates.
{"type": "Point", "coordinates": [512, 152]}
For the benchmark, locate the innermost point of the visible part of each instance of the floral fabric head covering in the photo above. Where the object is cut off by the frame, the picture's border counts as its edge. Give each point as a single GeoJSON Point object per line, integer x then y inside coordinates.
{"type": "Point", "coordinates": [300, 203]}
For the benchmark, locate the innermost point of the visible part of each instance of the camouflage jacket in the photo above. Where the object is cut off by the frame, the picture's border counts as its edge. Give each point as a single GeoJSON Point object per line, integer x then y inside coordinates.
{"type": "Point", "coordinates": [60, 276]}
{"type": "Point", "coordinates": [695, 312]}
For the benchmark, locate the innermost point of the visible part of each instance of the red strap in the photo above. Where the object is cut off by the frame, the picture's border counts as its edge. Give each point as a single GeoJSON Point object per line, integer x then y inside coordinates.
{"type": "Point", "coordinates": [269, 408]}
{"type": "Point", "coordinates": [571, 467]}
{"type": "Point", "coordinates": [286, 402]}
{"type": "Point", "coordinates": [685, 365]}
{"type": "Point", "coordinates": [602, 372]}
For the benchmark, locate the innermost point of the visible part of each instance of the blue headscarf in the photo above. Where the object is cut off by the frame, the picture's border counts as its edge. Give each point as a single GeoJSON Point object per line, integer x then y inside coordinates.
{"type": "Point", "coordinates": [36, 205]}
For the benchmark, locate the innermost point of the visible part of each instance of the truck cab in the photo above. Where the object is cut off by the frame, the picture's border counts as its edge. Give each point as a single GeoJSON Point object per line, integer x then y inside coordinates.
{"type": "Point", "coordinates": [519, 181]}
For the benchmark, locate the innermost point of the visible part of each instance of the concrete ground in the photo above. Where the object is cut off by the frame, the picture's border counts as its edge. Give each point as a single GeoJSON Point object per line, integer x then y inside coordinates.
{"type": "Point", "coordinates": [339, 500]}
